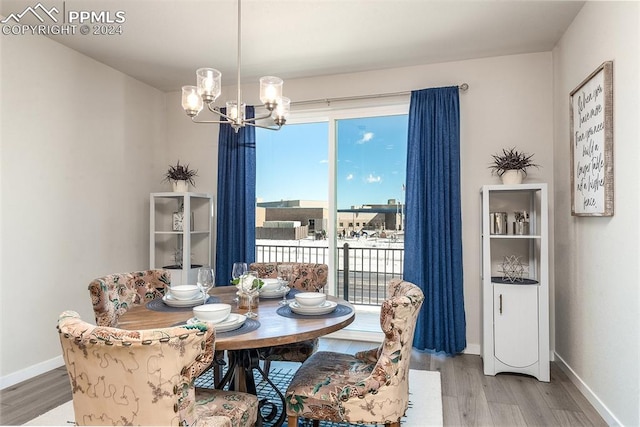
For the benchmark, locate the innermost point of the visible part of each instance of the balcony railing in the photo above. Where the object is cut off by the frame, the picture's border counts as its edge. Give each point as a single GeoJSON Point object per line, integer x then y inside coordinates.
{"type": "Point", "coordinates": [363, 272]}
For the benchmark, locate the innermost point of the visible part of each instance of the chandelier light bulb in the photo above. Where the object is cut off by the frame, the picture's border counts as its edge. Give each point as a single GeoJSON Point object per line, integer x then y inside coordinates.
{"type": "Point", "coordinates": [232, 112]}
{"type": "Point", "coordinates": [191, 101]}
{"type": "Point", "coordinates": [209, 83]}
{"type": "Point", "coordinates": [281, 112]}
{"type": "Point", "coordinates": [270, 91]}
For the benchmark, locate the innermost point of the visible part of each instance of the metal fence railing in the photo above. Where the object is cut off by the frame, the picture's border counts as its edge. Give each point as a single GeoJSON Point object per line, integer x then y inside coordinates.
{"type": "Point", "coordinates": [363, 272]}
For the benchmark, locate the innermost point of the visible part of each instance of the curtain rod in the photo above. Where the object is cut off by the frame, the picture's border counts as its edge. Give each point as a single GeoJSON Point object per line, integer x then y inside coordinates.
{"type": "Point", "coordinates": [463, 87]}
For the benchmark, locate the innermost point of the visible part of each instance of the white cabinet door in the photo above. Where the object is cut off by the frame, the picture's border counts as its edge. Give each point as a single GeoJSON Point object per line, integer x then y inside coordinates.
{"type": "Point", "coordinates": [515, 320]}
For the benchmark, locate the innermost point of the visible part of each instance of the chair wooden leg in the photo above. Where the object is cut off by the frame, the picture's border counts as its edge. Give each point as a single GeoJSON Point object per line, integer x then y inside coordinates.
{"type": "Point", "coordinates": [315, 423]}
{"type": "Point", "coordinates": [394, 424]}
{"type": "Point", "coordinates": [292, 421]}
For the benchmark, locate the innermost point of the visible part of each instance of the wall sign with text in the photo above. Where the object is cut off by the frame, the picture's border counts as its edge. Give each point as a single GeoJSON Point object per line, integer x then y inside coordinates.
{"type": "Point", "coordinates": [591, 113]}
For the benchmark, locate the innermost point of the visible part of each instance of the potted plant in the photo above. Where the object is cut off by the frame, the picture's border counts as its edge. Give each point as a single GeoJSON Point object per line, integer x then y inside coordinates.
{"type": "Point", "coordinates": [180, 176]}
{"type": "Point", "coordinates": [511, 165]}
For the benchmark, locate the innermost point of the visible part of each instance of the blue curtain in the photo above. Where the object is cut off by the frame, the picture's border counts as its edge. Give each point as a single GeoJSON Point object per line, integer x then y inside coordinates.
{"type": "Point", "coordinates": [433, 236]}
{"type": "Point", "coordinates": [236, 203]}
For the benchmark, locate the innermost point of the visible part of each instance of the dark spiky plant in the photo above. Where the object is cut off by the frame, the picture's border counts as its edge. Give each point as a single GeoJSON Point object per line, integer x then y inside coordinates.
{"type": "Point", "coordinates": [511, 159]}
{"type": "Point", "coordinates": [180, 173]}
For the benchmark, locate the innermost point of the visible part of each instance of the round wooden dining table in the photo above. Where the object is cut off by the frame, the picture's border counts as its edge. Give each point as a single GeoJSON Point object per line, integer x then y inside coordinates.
{"type": "Point", "coordinates": [274, 330]}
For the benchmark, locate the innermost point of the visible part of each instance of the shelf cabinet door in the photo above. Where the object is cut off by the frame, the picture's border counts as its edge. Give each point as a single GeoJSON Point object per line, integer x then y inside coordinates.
{"type": "Point", "coordinates": [515, 319]}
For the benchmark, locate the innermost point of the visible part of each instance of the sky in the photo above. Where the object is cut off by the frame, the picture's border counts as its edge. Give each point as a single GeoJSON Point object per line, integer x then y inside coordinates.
{"type": "Point", "coordinates": [293, 163]}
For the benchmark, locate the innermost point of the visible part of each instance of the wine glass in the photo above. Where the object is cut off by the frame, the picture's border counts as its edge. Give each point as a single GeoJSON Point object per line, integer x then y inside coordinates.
{"type": "Point", "coordinates": [238, 269]}
{"type": "Point", "coordinates": [285, 275]}
{"type": "Point", "coordinates": [205, 280]}
{"type": "Point", "coordinates": [249, 286]}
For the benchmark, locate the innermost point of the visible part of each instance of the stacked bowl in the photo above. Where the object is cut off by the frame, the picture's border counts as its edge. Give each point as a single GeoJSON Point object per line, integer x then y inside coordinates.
{"type": "Point", "coordinates": [312, 303]}
{"type": "Point", "coordinates": [219, 315]}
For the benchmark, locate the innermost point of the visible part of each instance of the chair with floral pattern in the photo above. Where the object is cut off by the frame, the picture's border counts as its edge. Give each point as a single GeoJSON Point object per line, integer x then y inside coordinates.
{"type": "Point", "coordinates": [308, 278]}
{"type": "Point", "coordinates": [371, 387]}
{"type": "Point", "coordinates": [146, 377]}
{"type": "Point", "coordinates": [113, 295]}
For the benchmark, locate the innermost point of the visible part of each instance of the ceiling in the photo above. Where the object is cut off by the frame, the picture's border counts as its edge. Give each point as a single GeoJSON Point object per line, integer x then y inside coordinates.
{"type": "Point", "coordinates": [165, 41]}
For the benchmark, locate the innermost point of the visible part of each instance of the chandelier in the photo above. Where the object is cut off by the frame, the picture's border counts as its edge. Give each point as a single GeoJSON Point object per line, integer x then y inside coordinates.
{"type": "Point", "coordinates": [209, 87]}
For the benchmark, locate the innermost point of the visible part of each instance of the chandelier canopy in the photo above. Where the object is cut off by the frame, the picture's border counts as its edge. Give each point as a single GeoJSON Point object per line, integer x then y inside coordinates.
{"type": "Point", "coordinates": [209, 86]}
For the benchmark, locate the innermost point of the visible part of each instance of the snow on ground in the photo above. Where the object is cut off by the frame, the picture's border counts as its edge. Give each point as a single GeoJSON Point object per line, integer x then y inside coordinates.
{"type": "Point", "coordinates": [365, 255]}
{"type": "Point", "coordinates": [362, 242]}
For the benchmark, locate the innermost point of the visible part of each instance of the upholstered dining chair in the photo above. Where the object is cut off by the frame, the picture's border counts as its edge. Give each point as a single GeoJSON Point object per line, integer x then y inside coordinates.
{"type": "Point", "coordinates": [308, 278]}
{"type": "Point", "coordinates": [146, 377]}
{"type": "Point", "coordinates": [113, 295]}
{"type": "Point", "coordinates": [371, 387]}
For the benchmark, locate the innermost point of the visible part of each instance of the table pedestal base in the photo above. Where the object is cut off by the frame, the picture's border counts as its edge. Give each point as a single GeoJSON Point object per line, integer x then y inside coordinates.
{"type": "Point", "coordinates": [239, 377]}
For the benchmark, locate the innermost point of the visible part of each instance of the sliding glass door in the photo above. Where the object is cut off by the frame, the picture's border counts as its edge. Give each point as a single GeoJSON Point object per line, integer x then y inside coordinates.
{"type": "Point", "coordinates": [370, 179]}
{"type": "Point", "coordinates": [330, 189]}
{"type": "Point", "coordinates": [292, 193]}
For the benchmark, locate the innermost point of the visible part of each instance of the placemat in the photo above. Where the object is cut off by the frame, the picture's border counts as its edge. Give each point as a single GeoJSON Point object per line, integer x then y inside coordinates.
{"type": "Point", "coordinates": [159, 305]}
{"type": "Point", "coordinates": [341, 310]}
{"type": "Point", "coordinates": [248, 326]}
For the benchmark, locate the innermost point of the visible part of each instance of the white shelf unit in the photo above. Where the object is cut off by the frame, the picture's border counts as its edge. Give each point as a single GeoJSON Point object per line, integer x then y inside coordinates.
{"type": "Point", "coordinates": [166, 246]}
{"type": "Point", "coordinates": [515, 330]}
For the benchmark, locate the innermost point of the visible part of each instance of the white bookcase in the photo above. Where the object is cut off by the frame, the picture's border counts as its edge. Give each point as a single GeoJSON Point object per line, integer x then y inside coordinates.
{"type": "Point", "coordinates": [515, 313]}
{"type": "Point", "coordinates": [170, 233]}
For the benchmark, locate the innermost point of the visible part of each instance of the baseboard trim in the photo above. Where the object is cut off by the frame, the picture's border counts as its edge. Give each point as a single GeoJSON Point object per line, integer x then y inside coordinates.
{"type": "Point", "coordinates": [346, 334]}
{"type": "Point", "coordinates": [30, 372]}
{"type": "Point", "coordinates": [472, 349]}
{"type": "Point", "coordinates": [595, 401]}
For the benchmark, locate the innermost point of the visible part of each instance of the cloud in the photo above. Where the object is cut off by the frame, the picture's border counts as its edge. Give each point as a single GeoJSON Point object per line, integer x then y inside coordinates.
{"type": "Point", "coordinates": [324, 161]}
{"type": "Point", "coordinates": [366, 137]}
{"type": "Point", "coordinates": [389, 147]}
{"type": "Point", "coordinates": [373, 179]}
{"type": "Point", "coordinates": [349, 177]}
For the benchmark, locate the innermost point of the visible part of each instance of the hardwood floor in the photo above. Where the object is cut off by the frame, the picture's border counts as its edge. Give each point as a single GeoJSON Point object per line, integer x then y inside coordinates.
{"type": "Point", "coordinates": [25, 401]}
{"type": "Point", "coordinates": [469, 398]}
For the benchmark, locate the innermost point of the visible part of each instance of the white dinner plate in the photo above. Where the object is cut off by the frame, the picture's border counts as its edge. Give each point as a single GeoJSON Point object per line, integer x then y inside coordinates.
{"type": "Point", "coordinates": [234, 321]}
{"type": "Point", "coordinates": [274, 294]}
{"type": "Point", "coordinates": [172, 302]}
{"type": "Point", "coordinates": [325, 308]}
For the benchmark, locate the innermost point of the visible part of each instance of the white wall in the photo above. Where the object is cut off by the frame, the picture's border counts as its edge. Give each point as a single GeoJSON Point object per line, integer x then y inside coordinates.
{"type": "Point", "coordinates": [509, 103]}
{"type": "Point", "coordinates": [78, 142]}
{"type": "Point", "coordinates": [597, 259]}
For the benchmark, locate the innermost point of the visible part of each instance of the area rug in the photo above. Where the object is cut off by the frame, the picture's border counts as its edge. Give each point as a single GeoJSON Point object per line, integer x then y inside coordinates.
{"type": "Point", "coordinates": [425, 400]}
